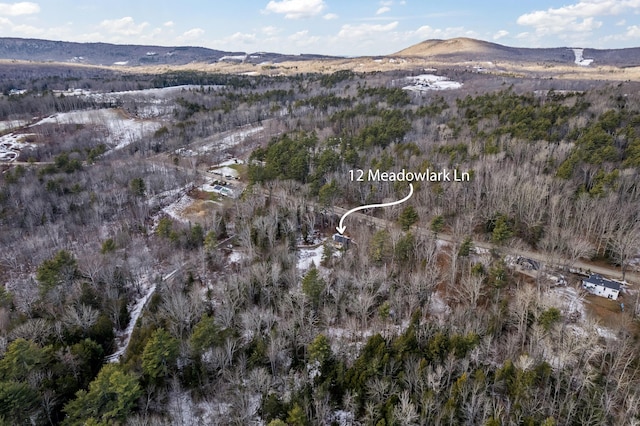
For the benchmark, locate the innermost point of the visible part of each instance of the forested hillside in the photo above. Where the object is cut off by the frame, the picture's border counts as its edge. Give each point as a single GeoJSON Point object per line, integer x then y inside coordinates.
{"type": "Point", "coordinates": [167, 253]}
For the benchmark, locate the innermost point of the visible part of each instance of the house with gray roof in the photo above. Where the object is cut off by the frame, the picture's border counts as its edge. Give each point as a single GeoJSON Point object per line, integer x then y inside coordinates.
{"type": "Point", "coordinates": [600, 286]}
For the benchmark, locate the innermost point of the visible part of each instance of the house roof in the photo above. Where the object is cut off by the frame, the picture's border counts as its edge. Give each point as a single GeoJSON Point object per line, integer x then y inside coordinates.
{"type": "Point", "coordinates": [596, 279]}
{"type": "Point", "coordinates": [341, 239]}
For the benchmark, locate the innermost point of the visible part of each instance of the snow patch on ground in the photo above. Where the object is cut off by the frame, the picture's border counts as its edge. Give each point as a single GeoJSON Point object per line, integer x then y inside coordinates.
{"type": "Point", "coordinates": [175, 209]}
{"type": "Point", "coordinates": [124, 338]}
{"type": "Point", "coordinates": [427, 82]}
{"type": "Point", "coordinates": [12, 124]}
{"type": "Point", "coordinates": [184, 411]}
{"type": "Point", "coordinates": [150, 103]}
{"type": "Point", "coordinates": [236, 256]}
{"type": "Point", "coordinates": [437, 305]}
{"type": "Point", "coordinates": [343, 418]}
{"type": "Point", "coordinates": [71, 92]}
{"type": "Point", "coordinates": [349, 340]}
{"type": "Point", "coordinates": [308, 256]}
{"type": "Point", "coordinates": [340, 336]}
{"type": "Point", "coordinates": [580, 60]}
{"type": "Point", "coordinates": [605, 332]}
{"type": "Point", "coordinates": [440, 244]}
{"type": "Point", "coordinates": [166, 197]}
{"type": "Point", "coordinates": [230, 162]}
{"type": "Point", "coordinates": [570, 300]}
{"type": "Point", "coordinates": [11, 144]}
{"type": "Point", "coordinates": [226, 171]}
{"type": "Point", "coordinates": [157, 92]}
{"type": "Point", "coordinates": [230, 139]}
{"type": "Point", "coordinates": [233, 58]}
{"type": "Point", "coordinates": [573, 304]}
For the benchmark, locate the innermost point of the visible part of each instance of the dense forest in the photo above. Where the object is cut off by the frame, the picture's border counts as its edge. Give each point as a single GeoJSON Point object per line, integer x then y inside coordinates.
{"type": "Point", "coordinates": [115, 309]}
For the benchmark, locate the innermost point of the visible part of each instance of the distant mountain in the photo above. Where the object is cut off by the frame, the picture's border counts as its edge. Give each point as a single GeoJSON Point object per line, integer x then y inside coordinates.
{"type": "Point", "coordinates": [467, 49]}
{"type": "Point", "coordinates": [453, 51]}
{"type": "Point", "coordinates": [129, 55]}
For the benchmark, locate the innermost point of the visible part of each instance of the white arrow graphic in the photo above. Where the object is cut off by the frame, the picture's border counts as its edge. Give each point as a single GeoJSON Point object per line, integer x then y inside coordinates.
{"type": "Point", "coordinates": [340, 228]}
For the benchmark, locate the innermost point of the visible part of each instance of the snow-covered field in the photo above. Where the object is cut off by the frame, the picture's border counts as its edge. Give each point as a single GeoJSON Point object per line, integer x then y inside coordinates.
{"type": "Point", "coordinates": [426, 82]}
{"type": "Point", "coordinates": [122, 130]}
{"type": "Point", "coordinates": [150, 103]}
{"type": "Point", "coordinates": [10, 146]}
{"type": "Point", "coordinates": [150, 93]}
{"type": "Point", "coordinates": [230, 162]}
{"type": "Point", "coordinates": [176, 208]}
{"type": "Point", "coordinates": [225, 171]}
{"type": "Point", "coordinates": [308, 256]}
{"type": "Point", "coordinates": [229, 139]}
{"type": "Point", "coordinates": [12, 124]}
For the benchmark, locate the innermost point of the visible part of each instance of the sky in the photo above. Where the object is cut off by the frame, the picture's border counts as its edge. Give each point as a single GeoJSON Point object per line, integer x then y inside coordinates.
{"type": "Point", "coordinates": [331, 27]}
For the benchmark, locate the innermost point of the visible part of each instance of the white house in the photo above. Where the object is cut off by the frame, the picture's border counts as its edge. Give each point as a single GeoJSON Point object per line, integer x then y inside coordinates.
{"type": "Point", "coordinates": [600, 286]}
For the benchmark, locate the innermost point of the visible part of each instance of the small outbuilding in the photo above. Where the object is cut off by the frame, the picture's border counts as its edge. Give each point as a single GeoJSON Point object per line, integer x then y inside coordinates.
{"type": "Point", "coordinates": [602, 287]}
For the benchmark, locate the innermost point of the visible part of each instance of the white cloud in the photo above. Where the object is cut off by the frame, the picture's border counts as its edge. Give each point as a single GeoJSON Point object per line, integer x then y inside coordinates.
{"type": "Point", "coordinates": [270, 30]}
{"type": "Point", "coordinates": [28, 30]}
{"type": "Point", "coordinates": [500, 34]}
{"type": "Point", "coordinates": [555, 24]}
{"type": "Point", "coordinates": [330, 16]}
{"type": "Point", "coordinates": [365, 31]}
{"type": "Point", "coordinates": [235, 40]}
{"type": "Point", "coordinates": [124, 26]}
{"type": "Point", "coordinates": [296, 9]}
{"type": "Point", "coordinates": [427, 32]}
{"type": "Point", "coordinates": [17, 9]}
{"type": "Point", "coordinates": [7, 26]}
{"type": "Point", "coordinates": [192, 34]}
{"type": "Point", "coordinates": [168, 24]}
{"type": "Point", "coordinates": [383, 9]}
{"type": "Point", "coordinates": [302, 38]}
{"type": "Point", "coordinates": [575, 18]}
{"type": "Point", "coordinates": [633, 31]}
